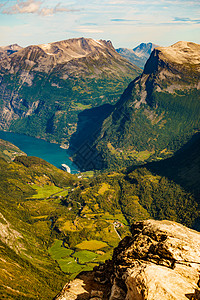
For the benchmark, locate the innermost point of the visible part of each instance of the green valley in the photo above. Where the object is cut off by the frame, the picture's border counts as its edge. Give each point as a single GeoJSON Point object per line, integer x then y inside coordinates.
{"type": "Point", "coordinates": [55, 225]}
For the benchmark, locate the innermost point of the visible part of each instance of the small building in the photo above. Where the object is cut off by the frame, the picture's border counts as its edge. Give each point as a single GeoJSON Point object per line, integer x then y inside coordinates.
{"type": "Point", "coordinates": [66, 168]}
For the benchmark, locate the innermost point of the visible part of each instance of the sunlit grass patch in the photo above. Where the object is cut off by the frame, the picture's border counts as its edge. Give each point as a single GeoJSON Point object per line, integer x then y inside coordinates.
{"type": "Point", "coordinates": [87, 174]}
{"type": "Point", "coordinates": [113, 174]}
{"type": "Point", "coordinates": [57, 251]}
{"type": "Point", "coordinates": [91, 245]}
{"type": "Point", "coordinates": [80, 106]}
{"type": "Point", "coordinates": [89, 266]}
{"type": "Point", "coordinates": [121, 218]}
{"type": "Point", "coordinates": [62, 193]}
{"type": "Point", "coordinates": [68, 226]}
{"type": "Point", "coordinates": [85, 256]}
{"type": "Point", "coordinates": [69, 265]}
{"type": "Point", "coordinates": [103, 257]}
{"type": "Point", "coordinates": [40, 217]}
{"type": "Point", "coordinates": [104, 187]}
{"type": "Point", "coordinates": [45, 191]}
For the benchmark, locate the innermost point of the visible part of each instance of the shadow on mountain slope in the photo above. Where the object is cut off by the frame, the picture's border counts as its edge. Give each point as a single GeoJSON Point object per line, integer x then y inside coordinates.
{"type": "Point", "coordinates": [183, 167]}
{"type": "Point", "coordinates": [89, 123]}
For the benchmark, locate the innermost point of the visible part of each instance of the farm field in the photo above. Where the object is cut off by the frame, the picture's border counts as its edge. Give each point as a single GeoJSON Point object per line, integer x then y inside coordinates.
{"type": "Point", "coordinates": [73, 262]}
{"type": "Point", "coordinates": [47, 191]}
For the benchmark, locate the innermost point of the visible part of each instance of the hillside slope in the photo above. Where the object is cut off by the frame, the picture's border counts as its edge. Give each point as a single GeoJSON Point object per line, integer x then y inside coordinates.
{"type": "Point", "coordinates": [26, 269]}
{"type": "Point", "coordinates": [9, 151]}
{"type": "Point", "coordinates": [183, 168]}
{"type": "Point", "coordinates": [44, 87]}
{"type": "Point", "coordinates": [157, 113]}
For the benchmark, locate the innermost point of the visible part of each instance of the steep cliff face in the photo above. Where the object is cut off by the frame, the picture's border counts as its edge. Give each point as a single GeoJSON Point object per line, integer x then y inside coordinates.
{"type": "Point", "coordinates": [44, 87]}
{"type": "Point", "coordinates": [161, 260]}
{"type": "Point", "coordinates": [158, 112]}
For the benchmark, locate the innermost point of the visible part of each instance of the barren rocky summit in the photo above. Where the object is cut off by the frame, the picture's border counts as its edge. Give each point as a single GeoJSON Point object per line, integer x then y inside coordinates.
{"type": "Point", "coordinates": [161, 260]}
{"type": "Point", "coordinates": [182, 52]}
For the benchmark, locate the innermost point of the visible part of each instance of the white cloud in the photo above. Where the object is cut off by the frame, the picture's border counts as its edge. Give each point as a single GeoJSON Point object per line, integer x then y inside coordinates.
{"type": "Point", "coordinates": [34, 7]}
{"type": "Point", "coordinates": [23, 7]}
{"type": "Point", "coordinates": [88, 30]}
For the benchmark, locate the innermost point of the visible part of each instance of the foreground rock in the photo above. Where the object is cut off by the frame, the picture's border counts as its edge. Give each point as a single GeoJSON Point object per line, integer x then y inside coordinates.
{"type": "Point", "coordinates": [161, 260]}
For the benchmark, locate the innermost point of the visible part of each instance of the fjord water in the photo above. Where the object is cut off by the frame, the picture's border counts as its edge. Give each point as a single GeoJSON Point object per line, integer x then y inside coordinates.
{"type": "Point", "coordinates": [52, 153]}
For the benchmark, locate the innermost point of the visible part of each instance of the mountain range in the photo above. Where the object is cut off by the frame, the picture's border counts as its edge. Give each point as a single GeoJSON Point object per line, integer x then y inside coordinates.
{"type": "Point", "coordinates": [138, 55]}
{"type": "Point", "coordinates": [44, 87]}
{"type": "Point", "coordinates": [155, 116]}
{"type": "Point", "coordinates": [144, 149]}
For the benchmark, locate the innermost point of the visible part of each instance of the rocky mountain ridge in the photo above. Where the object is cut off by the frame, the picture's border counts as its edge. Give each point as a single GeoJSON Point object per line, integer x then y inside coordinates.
{"type": "Point", "coordinates": [160, 260]}
{"type": "Point", "coordinates": [46, 56]}
{"type": "Point", "coordinates": [177, 65]}
{"type": "Point", "coordinates": [44, 87]}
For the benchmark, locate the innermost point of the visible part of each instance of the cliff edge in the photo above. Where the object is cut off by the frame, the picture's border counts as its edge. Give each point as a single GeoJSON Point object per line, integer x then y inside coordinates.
{"type": "Point", "coordinates": [160, 260]}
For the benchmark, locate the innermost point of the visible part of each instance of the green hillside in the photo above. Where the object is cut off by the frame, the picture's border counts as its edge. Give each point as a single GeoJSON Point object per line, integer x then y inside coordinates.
{"type": "Point", "coordinates": [156, 115]}
{"type": "Point", "coordinates": [27, 271]}
{"type": "Point", "coordinates": [9, 151]}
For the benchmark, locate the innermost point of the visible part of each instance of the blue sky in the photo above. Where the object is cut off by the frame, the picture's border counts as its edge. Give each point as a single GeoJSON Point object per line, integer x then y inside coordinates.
{"type": "Point", "coordinates": [126, 23]}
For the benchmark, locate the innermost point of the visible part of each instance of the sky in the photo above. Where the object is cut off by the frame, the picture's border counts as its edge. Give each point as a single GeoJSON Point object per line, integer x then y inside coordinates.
{"type": "Point", "coordinates": [127, 23]}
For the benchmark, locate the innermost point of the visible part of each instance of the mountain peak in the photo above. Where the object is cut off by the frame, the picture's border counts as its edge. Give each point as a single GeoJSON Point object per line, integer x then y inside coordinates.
{"type": "Point", "coordinates": [14, 47]}
{"type": "Point", "coordinates": [139, 54]}
{"type": "Point", "coordinates": [65, 77]}
{"type": "Point", "coordinates": [76, 47]}
{"type": "Point", "coordinates": [182, 53]}
{"type": "Point", "coordinates": [5, 51]}
{"type": "Point", "coordinates": [144, 49]}
{"type": "Point", "coordinates": [167, 93]}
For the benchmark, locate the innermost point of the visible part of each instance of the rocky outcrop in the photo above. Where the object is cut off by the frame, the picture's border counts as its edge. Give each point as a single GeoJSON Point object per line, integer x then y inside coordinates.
{"type": "Point", "coordinates": [160, 260]}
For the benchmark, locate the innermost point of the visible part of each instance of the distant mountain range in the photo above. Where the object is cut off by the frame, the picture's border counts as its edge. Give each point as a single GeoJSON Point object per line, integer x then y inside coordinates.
{"type": "Point", "coordinates": [156, 115]}
{"type": "Point", "coordinates": [139, 55]}
{"type": "Point", "coordinates": [44, 87]}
